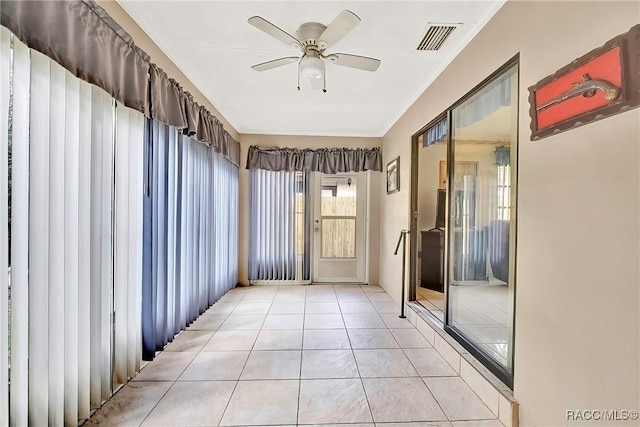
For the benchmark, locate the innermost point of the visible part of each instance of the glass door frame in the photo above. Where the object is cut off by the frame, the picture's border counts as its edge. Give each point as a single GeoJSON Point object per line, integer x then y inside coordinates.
{"type": "Point", "coordinates": [413, 242]}
{"type": "Point", "coordinates": [498, 370]}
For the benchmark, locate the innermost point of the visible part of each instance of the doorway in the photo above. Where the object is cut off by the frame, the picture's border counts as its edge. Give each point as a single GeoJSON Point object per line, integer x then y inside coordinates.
{"type": "Point", "coordinates": [339, 228]}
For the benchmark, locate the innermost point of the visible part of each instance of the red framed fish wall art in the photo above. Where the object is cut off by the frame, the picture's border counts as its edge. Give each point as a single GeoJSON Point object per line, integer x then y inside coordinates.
{"type": "Point", "coordinates": [604, 82]}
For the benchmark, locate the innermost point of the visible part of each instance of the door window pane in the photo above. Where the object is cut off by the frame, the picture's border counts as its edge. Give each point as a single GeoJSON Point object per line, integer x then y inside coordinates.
{"type": "Point", "coordinates": [338, 238]}
{"type": "Point", "coordinates": [338, 217]}
{"type": "Point", "coordinates": [482, 230]}
{"type": "Point", "coordinates": [338, 196]}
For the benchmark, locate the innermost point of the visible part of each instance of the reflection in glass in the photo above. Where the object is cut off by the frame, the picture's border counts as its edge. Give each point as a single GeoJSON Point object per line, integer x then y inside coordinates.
{"type": "Point", "coordinates": [481, 218]}
{"type": "Point", "coordinates": [431, 217]}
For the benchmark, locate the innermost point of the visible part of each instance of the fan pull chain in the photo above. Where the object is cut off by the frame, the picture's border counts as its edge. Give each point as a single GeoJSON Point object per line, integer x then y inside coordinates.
{"type": "Point", "coordinates": [324, 81]}
{"type": "Point", "coordinates": [299, 71]}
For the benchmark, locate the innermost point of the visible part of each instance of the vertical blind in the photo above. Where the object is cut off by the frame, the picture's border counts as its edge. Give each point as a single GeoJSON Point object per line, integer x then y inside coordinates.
{"type": "Point", "coordinates": [128, 243]}
{"type": "Point", "coordinates": [76, 241]}
{"type": "Point", "coordinates": [190, 233]}
{"type": "Point", "coordinates": [5, 68]}
{"type": "Point", "coordinates": [277, 242]}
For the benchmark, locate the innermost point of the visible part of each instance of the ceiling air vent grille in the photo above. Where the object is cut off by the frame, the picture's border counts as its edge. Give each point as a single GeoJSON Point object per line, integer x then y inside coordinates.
{"type": "Point", "coordinates": [435, 36]}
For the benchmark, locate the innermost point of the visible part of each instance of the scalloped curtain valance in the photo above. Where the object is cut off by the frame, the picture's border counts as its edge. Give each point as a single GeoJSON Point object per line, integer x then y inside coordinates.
{"type": "Point", "coordinates": [84, 39]}
{"type": "Point", "coordinates": [325, 160]}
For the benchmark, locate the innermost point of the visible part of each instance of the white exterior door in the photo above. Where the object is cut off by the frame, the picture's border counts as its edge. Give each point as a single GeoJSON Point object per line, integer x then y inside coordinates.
{"type": "Point", "coordinates": [339, 228]}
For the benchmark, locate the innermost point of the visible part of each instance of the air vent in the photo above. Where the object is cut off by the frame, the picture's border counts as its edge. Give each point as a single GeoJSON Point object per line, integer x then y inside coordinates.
{"type": "Point", "coordinates": [435, 36]}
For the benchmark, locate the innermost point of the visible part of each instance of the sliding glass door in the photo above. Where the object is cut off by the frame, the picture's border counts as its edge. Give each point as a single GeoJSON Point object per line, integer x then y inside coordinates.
{"type": "Point", "coordinates": [481, 223]}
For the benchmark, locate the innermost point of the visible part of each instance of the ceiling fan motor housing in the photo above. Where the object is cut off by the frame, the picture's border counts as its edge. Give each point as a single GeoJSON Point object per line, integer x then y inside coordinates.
{"type": "Point", "coordinates": [308, 34]}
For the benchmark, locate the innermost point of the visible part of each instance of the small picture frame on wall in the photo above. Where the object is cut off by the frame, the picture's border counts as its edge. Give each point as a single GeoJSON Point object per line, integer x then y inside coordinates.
{"type": "Point", "coordinates": [393, 176]}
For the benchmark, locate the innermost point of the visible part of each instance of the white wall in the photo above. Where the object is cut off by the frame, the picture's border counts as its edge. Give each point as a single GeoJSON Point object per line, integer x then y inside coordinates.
{"type": "Point", "coordinates": [577, 286]}
{"type": "Point", "coordinates": [308, 142]}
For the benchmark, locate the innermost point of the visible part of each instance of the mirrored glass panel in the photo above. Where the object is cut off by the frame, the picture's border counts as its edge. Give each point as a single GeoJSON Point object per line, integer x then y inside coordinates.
{"type": "Point", "coordinates": [482, 218]}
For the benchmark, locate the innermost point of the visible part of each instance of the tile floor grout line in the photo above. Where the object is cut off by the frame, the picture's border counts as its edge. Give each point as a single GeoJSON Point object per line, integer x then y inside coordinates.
{"type": "Point", "coordinates": [304, 313]}
{"type": "Point", "coordinates": [364, 390]}
{"type": "Point", "coordinates": [226, 407]}
{"type": "Point", "coordinates": [419, 376]}
{"type": "Point", "coordinates": [157, 403]}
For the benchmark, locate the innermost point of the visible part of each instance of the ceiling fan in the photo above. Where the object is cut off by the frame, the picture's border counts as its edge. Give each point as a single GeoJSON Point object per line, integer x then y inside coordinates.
{"type": "Point", "coordinates": [313, 39]}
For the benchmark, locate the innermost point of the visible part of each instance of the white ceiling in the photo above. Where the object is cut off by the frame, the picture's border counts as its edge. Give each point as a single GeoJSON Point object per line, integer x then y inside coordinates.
{"type": "Point", "coordinates": [212, 43]}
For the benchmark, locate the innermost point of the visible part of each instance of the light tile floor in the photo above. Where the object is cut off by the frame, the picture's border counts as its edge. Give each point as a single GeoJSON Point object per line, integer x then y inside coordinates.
{"type": "Point", "coordinates": [298, 355]}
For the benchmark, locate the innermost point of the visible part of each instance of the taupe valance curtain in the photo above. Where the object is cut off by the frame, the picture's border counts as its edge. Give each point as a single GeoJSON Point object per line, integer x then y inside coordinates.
{"type": "Point", "coordinates": [84, 39]}
{"type": "Point", "coordinates": [167, 104]}
{"type": "Point", "coordinates": [325, 160]}
{"type": "Point", "coordinates": [173, 106]}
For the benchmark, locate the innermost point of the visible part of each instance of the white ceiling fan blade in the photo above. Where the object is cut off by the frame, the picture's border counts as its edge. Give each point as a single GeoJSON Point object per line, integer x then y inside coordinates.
{"type": "Point", "coordinates": [339, 27]}
{"type": "Point", "coordinates": [275, 63]}
{"type": "Point", "coordinates": [266, 26]}
{"type": "Point", "coordinates": [354, 61]}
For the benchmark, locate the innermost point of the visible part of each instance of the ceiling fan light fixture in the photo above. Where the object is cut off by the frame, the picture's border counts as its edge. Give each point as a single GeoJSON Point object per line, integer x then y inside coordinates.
{"type": "Point", "coordinates": [312, 67]}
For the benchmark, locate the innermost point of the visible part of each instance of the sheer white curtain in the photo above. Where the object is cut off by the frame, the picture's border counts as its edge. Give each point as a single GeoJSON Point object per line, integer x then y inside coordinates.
{"type": "Point", "coordinates": [73, 251]}
{"type": "Point", "coordinates": [191, 233]}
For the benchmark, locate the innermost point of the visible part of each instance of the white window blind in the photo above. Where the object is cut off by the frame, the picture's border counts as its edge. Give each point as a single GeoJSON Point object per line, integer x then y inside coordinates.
{"type": "Point", "coordinates": [76, 241]}
{"type": "Point", "coordinates": [128, 243]}
{"type": "Point", "coordinates": [5, 69]}
{"type": "Point", "coordinates": [18, 405]}
{"type": "Point", "coordinates": [277, 242]}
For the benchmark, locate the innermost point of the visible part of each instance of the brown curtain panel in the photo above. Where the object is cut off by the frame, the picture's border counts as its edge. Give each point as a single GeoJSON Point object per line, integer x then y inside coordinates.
{"type": "Point", "coordinates": [84, 39]}
{"type": "Point", "coordinates": [325, 160]}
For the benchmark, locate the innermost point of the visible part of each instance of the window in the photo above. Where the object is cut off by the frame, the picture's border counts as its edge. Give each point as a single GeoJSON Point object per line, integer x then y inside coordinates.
{"type": "Point", "coordinates": [329, 191]}
{"type": "Point", "coordinates": [504, 192]}
{"type": "Point", "coordinates": [338, 216]}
